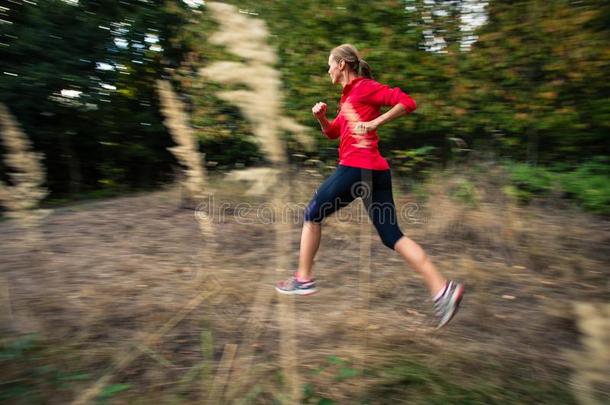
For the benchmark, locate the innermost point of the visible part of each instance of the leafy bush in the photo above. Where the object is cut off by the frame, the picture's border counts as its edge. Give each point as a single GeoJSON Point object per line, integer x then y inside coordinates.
{"type": "Point", "coordinates": [587, 184]}
{"type": "Point", "coordinates": [465, 192]}
{"type": "Point", "coordinates": [413, 161]}
{"type": "Point", "coordinates": [530, 179]}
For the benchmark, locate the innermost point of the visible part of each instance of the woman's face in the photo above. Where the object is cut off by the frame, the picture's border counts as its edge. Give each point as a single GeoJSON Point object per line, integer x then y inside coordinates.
{"type": "Point", "coordinates": [334, 69]}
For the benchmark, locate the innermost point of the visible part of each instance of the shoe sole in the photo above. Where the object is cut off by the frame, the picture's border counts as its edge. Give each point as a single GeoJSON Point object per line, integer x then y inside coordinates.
{"type": "Point", "coordinates": [297, 292]}
{"type": "Point", "coordinates": [458, 300]}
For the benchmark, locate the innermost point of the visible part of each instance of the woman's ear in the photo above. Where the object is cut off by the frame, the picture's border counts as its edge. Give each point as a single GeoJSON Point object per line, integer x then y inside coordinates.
{"type": "Point", "coordinates": [342, 64]}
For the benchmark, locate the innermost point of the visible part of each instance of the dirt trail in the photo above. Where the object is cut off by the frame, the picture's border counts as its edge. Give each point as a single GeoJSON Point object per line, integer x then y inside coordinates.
{"type": "Point", "coordinates": [114, 272]}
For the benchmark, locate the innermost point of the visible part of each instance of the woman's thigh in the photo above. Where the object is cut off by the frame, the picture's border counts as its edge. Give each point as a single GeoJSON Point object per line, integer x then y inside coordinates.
{"type": "Point", "coordinates": [381, 208]}
{"type": "Point", "coordinates": [333, 194]}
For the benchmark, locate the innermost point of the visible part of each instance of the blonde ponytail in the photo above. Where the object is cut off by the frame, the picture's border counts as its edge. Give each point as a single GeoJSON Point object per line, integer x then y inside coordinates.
{"type": "Point", "coordinates": [350, 55]}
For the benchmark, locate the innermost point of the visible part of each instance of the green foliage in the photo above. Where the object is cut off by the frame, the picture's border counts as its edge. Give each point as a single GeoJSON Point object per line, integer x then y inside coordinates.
{"type": "Point", "coordinates": [425, 385]}
{"type": "Point", "coordinates": [111, 134]}
{"type": "Point", "coordinates": [413, 161]}
{"type": "Point", "coordinates": [29, 375]}
{"type": "Point", "coordinates": [587, 184]}
{"type": "Point", "coordinates": [335, 369]}
{"type": "Point", "coordinates": [465, 192]}
{"type": "Point", "coordinates": [112, 390]}
{"type": "Point", "coordinates": [530, 180]}
{"type": "Point", "coordinates": [533, 87]}
{"type": "Point", "coordinates": [536, 95]}
{"type": "Point", "coordinates": [229, 151]}
{"type": "Point", "coordinates": [405, 378]}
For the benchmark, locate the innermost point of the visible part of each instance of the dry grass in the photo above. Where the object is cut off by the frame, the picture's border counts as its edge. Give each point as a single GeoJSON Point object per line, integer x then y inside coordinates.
{"type": "Point", "coordinates": [247, 38]}
{"type": "Point", "coordinates": [592, 364]}
{"type": "Point", "coordinates": [261, 103]}
{"type": "Point", "coordinates": [187, 149]}
{"type": "Point", "coordinates": [28, 174]}
{"type": "Point", "coordinates": [119, 270]}
{"type": "Point", "coordinates": [22, 198]}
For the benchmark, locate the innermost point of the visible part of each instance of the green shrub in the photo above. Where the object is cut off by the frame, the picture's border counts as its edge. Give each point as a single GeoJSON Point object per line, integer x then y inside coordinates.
{"type": "Point", "coordinates": [413, 161]}
{"type": "Point", "coordinates": [589, 185]}
{"type": "Point", "coordinates": [465, 192]}
{"type": "Point", "coordinates": [530, 180]}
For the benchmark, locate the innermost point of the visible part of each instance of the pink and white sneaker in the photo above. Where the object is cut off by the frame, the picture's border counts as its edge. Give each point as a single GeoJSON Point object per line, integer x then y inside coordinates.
{"type": "Point", "coordinates": [292, 286]}
{"type": "Point", "coordinates": [447, 304]}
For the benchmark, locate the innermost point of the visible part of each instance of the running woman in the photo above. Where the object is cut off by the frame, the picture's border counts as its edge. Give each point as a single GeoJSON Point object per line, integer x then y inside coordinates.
{"type": "Point", "coordinates": [363, 172]}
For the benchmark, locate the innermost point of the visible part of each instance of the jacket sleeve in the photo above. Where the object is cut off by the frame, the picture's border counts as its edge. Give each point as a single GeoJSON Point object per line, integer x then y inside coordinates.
{"type": "Point", "coordinates": [380, 95]}
{"type": "Point", "coordinates": [332, 131]}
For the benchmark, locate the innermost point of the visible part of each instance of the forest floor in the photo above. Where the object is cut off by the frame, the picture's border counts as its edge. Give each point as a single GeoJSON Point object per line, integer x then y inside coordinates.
{"type": "Point", "coordinates": [125, 301]}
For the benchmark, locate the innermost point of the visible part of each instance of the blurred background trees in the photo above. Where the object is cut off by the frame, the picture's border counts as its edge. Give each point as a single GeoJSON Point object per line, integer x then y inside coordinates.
{"type": "Point", "coordinates": [522, 81]}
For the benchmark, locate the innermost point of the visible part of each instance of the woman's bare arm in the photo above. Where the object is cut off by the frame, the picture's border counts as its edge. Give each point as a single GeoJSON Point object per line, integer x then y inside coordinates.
{"type": "Point", "coordinates": [319, 111]}
{"type": "Point", "coordinates": [324, 122]}
{"type": "Point", "coordinates": [393, 113]}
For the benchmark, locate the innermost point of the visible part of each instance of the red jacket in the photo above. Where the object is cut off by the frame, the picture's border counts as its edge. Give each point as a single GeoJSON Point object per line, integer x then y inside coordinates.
{"type": "Point", "coordinates": [361, 101]}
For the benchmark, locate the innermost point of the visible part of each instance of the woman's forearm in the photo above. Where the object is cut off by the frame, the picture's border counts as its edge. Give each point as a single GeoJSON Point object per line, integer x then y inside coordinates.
{"type": "Point", "coordinates": [395, 112]}
{"type": "Point", "coordinates": [324, 123]}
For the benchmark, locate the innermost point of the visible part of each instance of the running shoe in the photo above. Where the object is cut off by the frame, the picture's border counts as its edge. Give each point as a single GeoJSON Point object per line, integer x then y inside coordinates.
{"type": "Point", "coordinates": [294, 287]}
{"type": "Point", "coordinates": [446, 306]}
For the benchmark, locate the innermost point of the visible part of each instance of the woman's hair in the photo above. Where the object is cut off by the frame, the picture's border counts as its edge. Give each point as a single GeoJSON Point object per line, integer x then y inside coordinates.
{"type": "Point", "coordinates": [352, 58]}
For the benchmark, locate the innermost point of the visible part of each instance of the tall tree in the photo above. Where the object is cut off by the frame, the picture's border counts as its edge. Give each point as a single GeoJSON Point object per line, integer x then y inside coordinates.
{"type": "Point", "coordinates": [80, 77]}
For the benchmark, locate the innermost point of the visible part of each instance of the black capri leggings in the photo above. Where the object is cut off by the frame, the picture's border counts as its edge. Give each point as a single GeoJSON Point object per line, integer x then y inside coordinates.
{"type": "Point", "coordinates": [347, 183]}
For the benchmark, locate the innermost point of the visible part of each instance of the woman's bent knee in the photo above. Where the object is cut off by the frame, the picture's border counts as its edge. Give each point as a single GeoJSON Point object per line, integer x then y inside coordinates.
{"type": "Point", "coordinates": [312, 224]}
{"type": "Point", "coordinates": [390, 240]}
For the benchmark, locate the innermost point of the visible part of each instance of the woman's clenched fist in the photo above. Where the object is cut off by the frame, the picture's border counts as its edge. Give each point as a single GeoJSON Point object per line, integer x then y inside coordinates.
{"type": "Point", "coordinates": [319, 110]}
